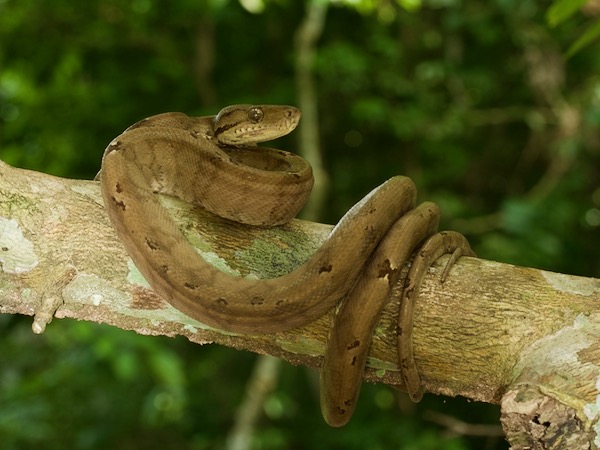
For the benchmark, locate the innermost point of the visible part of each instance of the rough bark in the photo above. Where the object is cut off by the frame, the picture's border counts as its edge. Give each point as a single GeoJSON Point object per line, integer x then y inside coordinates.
{"type": "Point", "coordinates": [521, 337]}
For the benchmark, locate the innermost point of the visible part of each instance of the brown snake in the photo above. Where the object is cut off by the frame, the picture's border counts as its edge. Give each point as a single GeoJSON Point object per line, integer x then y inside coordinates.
{"type": "Point", "coordinates": [212, 162]}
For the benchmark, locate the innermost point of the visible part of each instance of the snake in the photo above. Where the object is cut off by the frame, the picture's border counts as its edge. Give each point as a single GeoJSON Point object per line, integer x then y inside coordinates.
{"type": "Point", "coordinates": [214, 162]}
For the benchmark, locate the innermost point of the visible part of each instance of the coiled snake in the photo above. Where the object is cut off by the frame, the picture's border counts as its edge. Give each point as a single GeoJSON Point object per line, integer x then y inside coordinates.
{"type": "Point", "coordinates": [212, 161]}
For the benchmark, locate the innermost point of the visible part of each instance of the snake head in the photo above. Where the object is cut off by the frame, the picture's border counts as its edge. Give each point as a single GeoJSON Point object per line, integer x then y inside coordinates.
{"type": "Point", "coordinates": [250, 124]}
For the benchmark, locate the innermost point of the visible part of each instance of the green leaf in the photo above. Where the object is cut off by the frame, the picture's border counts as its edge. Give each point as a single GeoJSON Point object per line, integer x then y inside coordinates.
{"type": "Point", "coordinates": [586, 38]}
{"type": "Point", "coordinates": [561, 10]}
{"type": "Point", "coordinates": [410, 5]}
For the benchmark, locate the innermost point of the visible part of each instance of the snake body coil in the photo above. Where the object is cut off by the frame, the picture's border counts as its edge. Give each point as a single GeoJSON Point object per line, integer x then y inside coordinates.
{"type": "Point", "coordinates": [213, 162]}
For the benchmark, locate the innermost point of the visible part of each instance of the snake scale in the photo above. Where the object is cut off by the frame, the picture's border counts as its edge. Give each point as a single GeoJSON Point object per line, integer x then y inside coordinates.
{"type": "Point", "coordinates": [214, 162]}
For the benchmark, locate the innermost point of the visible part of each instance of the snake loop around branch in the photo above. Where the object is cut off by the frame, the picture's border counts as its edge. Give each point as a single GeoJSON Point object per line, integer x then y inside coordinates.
{"type": "Point", "coordinates": [213, 162]}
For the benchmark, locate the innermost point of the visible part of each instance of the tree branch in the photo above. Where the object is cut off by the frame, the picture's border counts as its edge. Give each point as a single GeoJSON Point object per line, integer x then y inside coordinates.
{"type": "Point", "coordinates": [491, 328]}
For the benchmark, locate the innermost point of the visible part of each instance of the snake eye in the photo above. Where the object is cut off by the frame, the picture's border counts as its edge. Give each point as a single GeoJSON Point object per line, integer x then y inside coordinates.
{"type": "Point", "coordinates": [255, 115]}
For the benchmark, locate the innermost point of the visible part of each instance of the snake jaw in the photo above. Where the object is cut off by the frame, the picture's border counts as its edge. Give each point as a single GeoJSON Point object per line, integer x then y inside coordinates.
{"type": "Point", "coordinates": [250, 124]}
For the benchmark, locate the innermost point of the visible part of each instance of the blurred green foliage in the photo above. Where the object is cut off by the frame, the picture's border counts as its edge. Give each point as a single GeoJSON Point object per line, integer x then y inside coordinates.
{"type": "Point", "coordinates": [475, 101]}
{"type": "Point", "coordinates": [562, 10]}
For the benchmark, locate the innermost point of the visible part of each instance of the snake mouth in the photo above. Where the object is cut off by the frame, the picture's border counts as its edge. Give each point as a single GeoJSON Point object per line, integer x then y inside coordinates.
{"type": "Point", "coordinates": [259, 133]}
